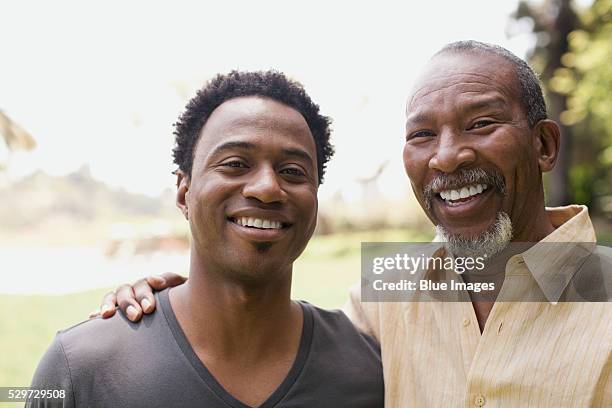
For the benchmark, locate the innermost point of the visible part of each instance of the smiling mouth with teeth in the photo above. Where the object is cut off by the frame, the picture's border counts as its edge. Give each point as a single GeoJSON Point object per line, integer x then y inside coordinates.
{"type": "Point", "coordinates": [259, 223]}
{"type": "Point", "coordinates": [463, 194]}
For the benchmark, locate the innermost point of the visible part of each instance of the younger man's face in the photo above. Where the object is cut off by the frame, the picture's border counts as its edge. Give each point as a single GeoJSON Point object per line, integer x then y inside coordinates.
{"type": "Point", "coordinates": [251, 200]}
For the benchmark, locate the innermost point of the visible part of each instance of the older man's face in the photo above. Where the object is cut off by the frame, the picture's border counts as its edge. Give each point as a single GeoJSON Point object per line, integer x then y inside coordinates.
{"type": "Point", "coordinates": [469, 150]}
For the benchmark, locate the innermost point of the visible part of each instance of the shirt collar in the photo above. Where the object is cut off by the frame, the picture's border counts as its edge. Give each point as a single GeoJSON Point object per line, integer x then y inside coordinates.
{"type": "Point", "coordinates": [555, 259]}
{"type": "Point", "coordinates": [553, 266]}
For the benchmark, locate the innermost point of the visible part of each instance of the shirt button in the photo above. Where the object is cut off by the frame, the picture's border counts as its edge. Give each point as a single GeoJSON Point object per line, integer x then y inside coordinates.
{"type": "Point", "coordinates": [466, 322]}
{"type": "Point", "coordinates": [479, 401]}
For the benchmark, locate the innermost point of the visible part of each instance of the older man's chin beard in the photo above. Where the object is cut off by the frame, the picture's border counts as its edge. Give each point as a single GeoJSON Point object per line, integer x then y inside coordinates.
{"type": "Point", "coordinates": [489, 242]}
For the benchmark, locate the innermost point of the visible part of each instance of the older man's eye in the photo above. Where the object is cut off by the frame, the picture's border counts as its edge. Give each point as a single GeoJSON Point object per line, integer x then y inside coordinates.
{"type": "Point", "coordinates": [481, 124]}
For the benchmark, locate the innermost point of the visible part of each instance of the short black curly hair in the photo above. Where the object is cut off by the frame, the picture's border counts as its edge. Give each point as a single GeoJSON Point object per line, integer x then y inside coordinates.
{"type": "Point", "coordinates": [269, 84]}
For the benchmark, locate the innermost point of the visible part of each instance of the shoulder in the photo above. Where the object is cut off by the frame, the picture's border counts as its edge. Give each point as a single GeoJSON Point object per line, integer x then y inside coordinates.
{"type": "Point", "coordinates": [336, 329]}
{"type": "Point", "coordinates": [603, 253]}
{"type": "Point", "coordinates": [97, 354]}
{"type": "Point", "coordinates": [106, 344]}
{"type": "Point", "coordinates": [593, 279]}
{"type": "Point", "coordinates": [53, 366]}
{"type": "Point", "coordinates": [100, 335]}
{"type": "Point", "coordinates": [344, 364]}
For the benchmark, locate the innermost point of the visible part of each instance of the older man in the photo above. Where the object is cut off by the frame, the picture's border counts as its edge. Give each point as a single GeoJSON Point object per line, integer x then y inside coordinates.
{"type": "Point", "coordinates": [477, 117]}
{"type": "Point", "coordinates": [477, 143]}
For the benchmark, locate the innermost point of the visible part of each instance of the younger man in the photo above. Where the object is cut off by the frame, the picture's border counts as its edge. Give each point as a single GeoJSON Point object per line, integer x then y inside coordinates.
{"type": "Point", "coordinates": [251, 150]}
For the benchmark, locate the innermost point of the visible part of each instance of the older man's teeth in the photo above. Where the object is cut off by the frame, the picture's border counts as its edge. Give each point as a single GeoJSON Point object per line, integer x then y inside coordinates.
{"type": "Point", "coordinates": [258, 223]}
{"type": "Point", "coordinates": [464, 192]}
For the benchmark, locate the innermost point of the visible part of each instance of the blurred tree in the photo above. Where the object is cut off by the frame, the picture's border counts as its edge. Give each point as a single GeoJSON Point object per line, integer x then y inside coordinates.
{"type": "Point", "coordinates": [552, 21]}
{"type": "Point", "coordinates": [586, 80]}
{"type": "Point", "coordinates": [15, 137]}
{"type": "Point", "coordinates": [573, 53]}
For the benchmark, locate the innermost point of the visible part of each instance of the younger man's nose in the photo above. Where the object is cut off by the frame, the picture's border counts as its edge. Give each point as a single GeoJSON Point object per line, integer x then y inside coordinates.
{"type": "Point", "coordinates": [264, 185]}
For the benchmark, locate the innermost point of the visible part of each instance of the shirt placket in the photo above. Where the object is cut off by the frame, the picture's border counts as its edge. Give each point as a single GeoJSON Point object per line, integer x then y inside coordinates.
{"type": "Point", "coordinates": [478, 394]}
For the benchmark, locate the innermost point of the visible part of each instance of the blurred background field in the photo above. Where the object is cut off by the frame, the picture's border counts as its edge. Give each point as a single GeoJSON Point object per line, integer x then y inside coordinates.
{"type": "Point", "coordinates": [86, 113]}
{"type": "Point", "coordinates": [322, 276]}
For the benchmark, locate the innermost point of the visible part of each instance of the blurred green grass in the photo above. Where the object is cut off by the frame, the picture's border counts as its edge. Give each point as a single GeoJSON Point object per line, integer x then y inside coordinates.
{"type": "Point", "coordinates": [28, 324]}
{"type": "Point", "coordinates": [322, 276]}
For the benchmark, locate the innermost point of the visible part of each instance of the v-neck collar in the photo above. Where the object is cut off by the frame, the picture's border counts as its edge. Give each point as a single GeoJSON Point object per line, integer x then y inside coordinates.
{"type": "Point", "coordinates": [280, 392]}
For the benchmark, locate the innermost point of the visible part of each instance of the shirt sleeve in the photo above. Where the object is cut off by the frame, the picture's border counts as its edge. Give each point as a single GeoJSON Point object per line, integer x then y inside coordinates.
{"type": "Point", "coordinates": [53, 373]}
{"type": "Point", "coordinates": [355, 311]}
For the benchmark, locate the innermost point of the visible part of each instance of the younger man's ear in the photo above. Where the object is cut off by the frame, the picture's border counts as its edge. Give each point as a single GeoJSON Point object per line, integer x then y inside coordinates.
{"type": "Point", "coordinates": [547, 143]}
{"type": "Point", "coordinates": [182, 189]}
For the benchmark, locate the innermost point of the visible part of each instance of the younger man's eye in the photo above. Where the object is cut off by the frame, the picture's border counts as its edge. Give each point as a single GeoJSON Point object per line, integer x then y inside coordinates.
{"type": "Point", "coordinates": [420, 133]}
{"type": "Point", "coordinates": [234, 164]}
{"type": "Point", "coordinates": [292, 171]}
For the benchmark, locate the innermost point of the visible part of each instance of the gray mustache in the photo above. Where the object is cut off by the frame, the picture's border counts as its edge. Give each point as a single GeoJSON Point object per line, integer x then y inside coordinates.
{"type": "Point", "coordinates": [462, 177]}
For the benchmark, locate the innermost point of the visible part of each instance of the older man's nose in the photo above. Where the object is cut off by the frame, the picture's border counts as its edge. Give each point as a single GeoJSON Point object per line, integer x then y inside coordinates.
{"type": "Point", "coordinates": [265, 186]}
{"type": "Point", "coordinates": [452, 153]}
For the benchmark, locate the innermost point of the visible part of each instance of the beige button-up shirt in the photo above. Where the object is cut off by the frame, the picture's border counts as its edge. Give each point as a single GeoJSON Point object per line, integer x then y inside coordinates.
{"type": "Point", "coordinates": [530, 354]}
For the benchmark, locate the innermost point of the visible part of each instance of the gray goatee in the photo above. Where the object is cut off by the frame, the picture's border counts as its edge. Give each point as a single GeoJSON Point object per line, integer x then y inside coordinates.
{"type": "Point", "coordinates": [489, 242]}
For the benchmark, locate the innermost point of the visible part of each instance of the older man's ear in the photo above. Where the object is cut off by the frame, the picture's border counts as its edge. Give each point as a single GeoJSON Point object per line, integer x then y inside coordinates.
{"type": "Point", "coordinates": [547, 143]}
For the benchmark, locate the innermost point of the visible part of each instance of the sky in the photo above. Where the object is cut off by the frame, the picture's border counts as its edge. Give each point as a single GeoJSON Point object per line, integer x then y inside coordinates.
{"type": "Point", "coordinates": [102, 83]}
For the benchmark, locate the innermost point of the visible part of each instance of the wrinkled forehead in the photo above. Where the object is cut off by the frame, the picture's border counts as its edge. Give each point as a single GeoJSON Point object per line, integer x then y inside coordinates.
{"type": "Point", "coordinates": [464, 75]}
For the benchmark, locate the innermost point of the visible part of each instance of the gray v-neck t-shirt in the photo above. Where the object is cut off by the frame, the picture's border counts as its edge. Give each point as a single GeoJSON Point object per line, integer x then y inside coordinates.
{"type": "Point", "coordinates": [117, 363]}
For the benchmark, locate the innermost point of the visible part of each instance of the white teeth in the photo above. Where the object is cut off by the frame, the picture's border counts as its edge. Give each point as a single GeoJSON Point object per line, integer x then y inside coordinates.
{"type": "Point", "coordinates": [464, 192]}
{"type": "Point", "coordinates": [258, 223]}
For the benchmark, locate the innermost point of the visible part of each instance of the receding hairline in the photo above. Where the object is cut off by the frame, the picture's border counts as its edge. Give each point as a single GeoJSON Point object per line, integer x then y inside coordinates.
{"type": "Point", "coordinates": [529, 87]}
{"type": "Point", "coordinates": [509, 64]}
{"type": "Point", "coordinates": [431, 74]}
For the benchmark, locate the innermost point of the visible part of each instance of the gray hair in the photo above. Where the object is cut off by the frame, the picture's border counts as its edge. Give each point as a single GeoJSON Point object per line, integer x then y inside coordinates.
{"type": "Point", "coordinates": [529, 84]}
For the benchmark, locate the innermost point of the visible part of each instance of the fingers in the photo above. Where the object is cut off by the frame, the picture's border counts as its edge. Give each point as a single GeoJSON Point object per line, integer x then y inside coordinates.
{"type": "Point", "coordinates": [126, 299]}
{"type": "Point", "coordinates": [165, 280]}
{"type": "Point", "coordinates": [94, 314]}
{"type": "Point", "coordinates": [136, 299]}
{"type": "Point", "coordinates": [144, 295]}
{"type": "Point", "coordinates": [107, 307]}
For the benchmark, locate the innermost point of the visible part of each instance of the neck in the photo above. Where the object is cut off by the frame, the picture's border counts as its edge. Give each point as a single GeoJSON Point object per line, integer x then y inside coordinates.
{"type": "Point", "coordinates": [228, 318]}
{"type": "Point", "coordinates": [532, 224]}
